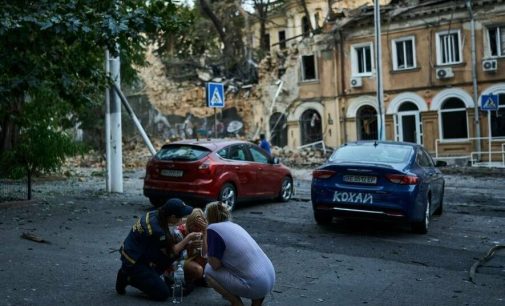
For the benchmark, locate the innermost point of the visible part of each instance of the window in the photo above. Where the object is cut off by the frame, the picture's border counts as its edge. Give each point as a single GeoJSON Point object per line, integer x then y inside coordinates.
{"type": "Point", "coordinates": [496, 39]}
{"type": "Point", "coordinates": [308, 68]}
{"type": "Point", "coordinates": [305, 26]}
{"type": "Point", "coordinates": [238, 153]}
{"type": "Point", "coordinates": [310, 126]}
{"type": "Point", "coordinates": [266, 40]}
{"type": "Point", "coordinates": [424, 159]}
{"type": "Point", "coordinates": [282, 40]}
{"type": "Point", "coordinates": [367, 123]}
{"type": "Point", "coordinates": [453, 119]}
{"type": "Point", "coordinates": [316, 19]}
{"type": "Point", "coordinates": [279, 129]}
{"type": "Point", "coordinates": [182, 153]}
{"type": "Point", "coordinates": [384, 153]}
{"type": "Point", "coordinates": [361, 59]}
{"type": "Point", "coordinates": [448, 47]}
{"type": "Point", "coordinates": [498, 118]}
{"type": "Point", "coordinates": [404, 53]}
{"type": "Point", "coordinates": [258, 156]}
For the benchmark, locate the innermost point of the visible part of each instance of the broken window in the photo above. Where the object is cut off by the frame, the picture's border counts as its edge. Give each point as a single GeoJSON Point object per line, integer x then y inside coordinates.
{"type": "Point", "coordinates": [305, 26]}
{"type": "Point", "coordinates": [498, 118]}
{"type": "Point", "coordinates": [496, 38]}
{"type": "Point", "coordinates": [316, 18]}
{"type": "Point", "coordinates": [404, 53]}
{"type": "Point", "coordinates": [310, 127]}
{"type": "Point", "coordinates": [278, 130]}
{"type": "Point", "coordinates": [453, 119]}
{"type": "Point", "coordinates": [282, 40]}
{"type": "Point", "coordinates": [308, 68]}
{"type": "Point", "coordinates": [448, 47]}
{"type": "Point", "coordinates": [367, 123]}
{"type": "Point", "coordinates": [267, 42]}
{"type": "Point", "coordinates": [361, 59]}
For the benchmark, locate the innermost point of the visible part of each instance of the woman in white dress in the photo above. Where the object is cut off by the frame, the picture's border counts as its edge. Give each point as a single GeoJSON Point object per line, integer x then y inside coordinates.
{"type": "Point", "coordinates": [237, 266]}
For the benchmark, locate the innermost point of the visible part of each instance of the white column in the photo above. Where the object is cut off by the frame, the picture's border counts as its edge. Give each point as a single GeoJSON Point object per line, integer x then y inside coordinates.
{"type": "Point", "coordinates": [116, 145]}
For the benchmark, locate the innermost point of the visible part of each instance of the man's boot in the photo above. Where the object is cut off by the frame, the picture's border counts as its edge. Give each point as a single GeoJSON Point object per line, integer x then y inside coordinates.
{"type": "Point", "coordinates": [121, 282]}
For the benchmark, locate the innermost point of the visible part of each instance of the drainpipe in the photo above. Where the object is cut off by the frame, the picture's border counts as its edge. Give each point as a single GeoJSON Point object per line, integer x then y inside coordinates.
{"type": "Point", "coordinates": [342, 86]}
{"type": "Point", "coordinates": [378, 71]}
{"type": "Point", "coordinates": [474, 79]}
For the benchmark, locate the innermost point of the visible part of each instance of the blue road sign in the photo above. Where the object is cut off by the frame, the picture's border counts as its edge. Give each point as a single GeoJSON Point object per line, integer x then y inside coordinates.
{"type": "Point", "coordinates": [489, 102]}
{"type": "Point", "coordinates": [215, 95]}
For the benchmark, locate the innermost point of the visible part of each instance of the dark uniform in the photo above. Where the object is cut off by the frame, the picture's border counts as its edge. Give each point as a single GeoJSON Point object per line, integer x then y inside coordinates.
{"type": "Point", "coordinates": [145, 256]}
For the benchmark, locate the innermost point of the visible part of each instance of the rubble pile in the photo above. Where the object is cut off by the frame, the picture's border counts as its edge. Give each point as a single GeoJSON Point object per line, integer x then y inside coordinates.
{"type": "Point", "coordinates": [136, 155]}
{"type": "Point", "coordinates": [301, 158]}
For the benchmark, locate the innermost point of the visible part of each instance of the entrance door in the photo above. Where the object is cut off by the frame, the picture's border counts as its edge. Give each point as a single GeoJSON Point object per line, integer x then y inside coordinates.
{"type": "Point", "coordinates": [409, 127]}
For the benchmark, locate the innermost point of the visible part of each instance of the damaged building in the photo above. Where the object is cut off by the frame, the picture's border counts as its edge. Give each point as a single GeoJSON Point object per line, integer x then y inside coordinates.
{"type": "Point", "coordinates": [318, 84]}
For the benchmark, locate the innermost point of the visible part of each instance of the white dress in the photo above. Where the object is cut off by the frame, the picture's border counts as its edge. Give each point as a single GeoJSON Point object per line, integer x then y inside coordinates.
{"type": "Point", "coordinates": [245, 270]}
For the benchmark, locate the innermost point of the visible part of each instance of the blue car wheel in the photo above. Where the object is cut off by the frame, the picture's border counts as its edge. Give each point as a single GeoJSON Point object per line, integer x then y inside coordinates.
{"type": "Point", "coordinates": [421, 227]}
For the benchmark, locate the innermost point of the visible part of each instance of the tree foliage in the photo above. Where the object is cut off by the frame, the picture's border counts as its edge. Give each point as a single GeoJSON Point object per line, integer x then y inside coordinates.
{"type": "Point", "coordinates": [51, 69]}
{"type": "Point", "coordinates": [220, 33]}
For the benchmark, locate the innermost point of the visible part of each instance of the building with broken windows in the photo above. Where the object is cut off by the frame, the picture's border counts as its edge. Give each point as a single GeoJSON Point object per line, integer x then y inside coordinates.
{"type": "Point", "coordinates": [440, 61]}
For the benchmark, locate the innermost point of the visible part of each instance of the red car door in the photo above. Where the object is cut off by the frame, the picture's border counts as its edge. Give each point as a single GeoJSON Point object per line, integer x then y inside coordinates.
{"type": "Point", "coordinates": [267, 179]}
{"type": "Point", "coordinates": [239, 164]}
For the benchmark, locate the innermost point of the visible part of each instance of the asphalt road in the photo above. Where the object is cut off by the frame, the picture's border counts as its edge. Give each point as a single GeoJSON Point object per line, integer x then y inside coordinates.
{"type": "Point", "coordinates": [346, 263]}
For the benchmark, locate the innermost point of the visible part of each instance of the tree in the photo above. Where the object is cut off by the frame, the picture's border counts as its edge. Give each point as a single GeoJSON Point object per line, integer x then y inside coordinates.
{"type": "Point", "coordinates": [228, 25]}
{"type": "Point", "coordinates": [51, 69]}
{"type": "Point", "coordinates": [262, 12]}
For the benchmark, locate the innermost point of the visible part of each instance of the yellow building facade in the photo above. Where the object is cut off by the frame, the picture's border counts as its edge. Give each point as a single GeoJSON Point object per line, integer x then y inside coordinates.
{"type": "Point", "coordinates": [432, 89]}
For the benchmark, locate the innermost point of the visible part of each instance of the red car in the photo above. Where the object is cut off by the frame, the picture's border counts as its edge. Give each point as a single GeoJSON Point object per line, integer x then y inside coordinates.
{"type": "Point", "coordinates": [207, 170]}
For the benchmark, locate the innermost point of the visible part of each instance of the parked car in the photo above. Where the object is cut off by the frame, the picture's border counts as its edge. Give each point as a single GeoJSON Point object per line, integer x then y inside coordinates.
{"type": "Point", "coordinates": [379, 179]}
{"type": "Point", "coordinates": [207, 170]}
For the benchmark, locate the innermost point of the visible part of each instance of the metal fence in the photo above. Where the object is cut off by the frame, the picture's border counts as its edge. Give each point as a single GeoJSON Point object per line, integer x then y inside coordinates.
{"type": "Point", "coordinates": [13, 190]}
{"type": "Point", "coordinates": [483, 158]}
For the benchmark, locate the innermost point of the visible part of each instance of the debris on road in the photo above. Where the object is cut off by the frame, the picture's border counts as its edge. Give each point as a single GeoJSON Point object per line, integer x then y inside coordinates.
{"type": "Point", "coordinates": [33, 237]}
{"type": "Point", "coordinates": [483, 260]}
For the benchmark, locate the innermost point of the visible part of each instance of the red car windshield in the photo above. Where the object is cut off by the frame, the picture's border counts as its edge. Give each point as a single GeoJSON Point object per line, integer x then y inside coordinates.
{"type": "Point", "coordinates": [182, 152]}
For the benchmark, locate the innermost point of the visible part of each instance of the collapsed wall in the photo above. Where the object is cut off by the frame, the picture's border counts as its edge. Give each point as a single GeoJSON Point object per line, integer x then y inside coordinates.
{"type": "Point", "coordinates": [179, 108]}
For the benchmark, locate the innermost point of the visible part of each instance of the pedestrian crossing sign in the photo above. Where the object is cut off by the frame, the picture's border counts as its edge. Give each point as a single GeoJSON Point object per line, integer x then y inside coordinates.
{"type": "Point", "coordinates": [215, 95]}
{"type": "Point", "coordinates": [489, 102]}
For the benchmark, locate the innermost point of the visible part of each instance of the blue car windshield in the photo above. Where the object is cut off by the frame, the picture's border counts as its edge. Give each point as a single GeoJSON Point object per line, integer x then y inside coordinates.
{"type": "Point", "coordinates": [382, 153]}
{"type": "Point", "coordinates": [182, 153]}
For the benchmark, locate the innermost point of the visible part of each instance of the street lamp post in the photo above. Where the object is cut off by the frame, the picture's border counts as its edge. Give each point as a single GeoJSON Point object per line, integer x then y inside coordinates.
{"type": "Point", "coordinates": [474, 78]}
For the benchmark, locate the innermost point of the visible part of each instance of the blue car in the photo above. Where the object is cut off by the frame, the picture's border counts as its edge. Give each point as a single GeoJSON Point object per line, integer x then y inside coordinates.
{"type": "Point", "coordinates": [379, 179]}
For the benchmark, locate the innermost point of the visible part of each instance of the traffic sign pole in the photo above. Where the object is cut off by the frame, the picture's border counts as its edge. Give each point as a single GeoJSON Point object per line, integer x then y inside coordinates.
{"type": "Point", "coordinates": [215, 99]}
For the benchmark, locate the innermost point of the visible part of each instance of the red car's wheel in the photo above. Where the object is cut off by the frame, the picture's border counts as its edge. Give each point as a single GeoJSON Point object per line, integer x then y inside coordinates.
{"type": "Point", "coordinates": [228, 195]}
{"type": "Point", "coordinates": [286, 190]}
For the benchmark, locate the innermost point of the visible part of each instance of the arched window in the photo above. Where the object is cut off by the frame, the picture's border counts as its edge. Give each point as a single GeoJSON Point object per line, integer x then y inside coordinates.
{"type": "Point", "coordinates": [453, 119]}
{"type": "Point", "coordinates": [407, 106]}
{"type": "Point", "coordinates": [498, 118]}
{"type": "Point", "coordinates": [278, 130]}
{"type": "Point", "coordinates": [311, 127]}
{"type": "Point", "coordinates": [366, 121]}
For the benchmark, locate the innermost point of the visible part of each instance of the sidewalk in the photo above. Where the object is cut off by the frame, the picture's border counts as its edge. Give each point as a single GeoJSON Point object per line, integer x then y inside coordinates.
{"type": "Point", "coordinates": [301, 180]}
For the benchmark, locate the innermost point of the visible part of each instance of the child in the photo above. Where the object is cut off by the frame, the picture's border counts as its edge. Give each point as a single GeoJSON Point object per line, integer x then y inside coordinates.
{"type": "Point", "coordinates": [197, 249]}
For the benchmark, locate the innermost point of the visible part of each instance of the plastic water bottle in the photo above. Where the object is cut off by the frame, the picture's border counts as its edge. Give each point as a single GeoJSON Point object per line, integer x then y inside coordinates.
{"type": "Point", "coordinates": [177, 287]}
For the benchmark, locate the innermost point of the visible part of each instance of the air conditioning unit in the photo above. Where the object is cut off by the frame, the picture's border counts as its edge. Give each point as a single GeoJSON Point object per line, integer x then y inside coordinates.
{"type": "Point", "coordinates": [444, 73]}
{"type": "Point", "coordinates": [356, 82]}
{"type": "Point", "coordinates": [489, 65]}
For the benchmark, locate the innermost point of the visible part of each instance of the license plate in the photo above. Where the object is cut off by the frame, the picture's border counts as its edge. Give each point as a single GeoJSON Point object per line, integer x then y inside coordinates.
{"type": "Point", "coordinates": [352, 197]}
{"type": "Point", "coordinates": [171, 173]}
{"type": "Point", "coordinates": [360, 179]}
